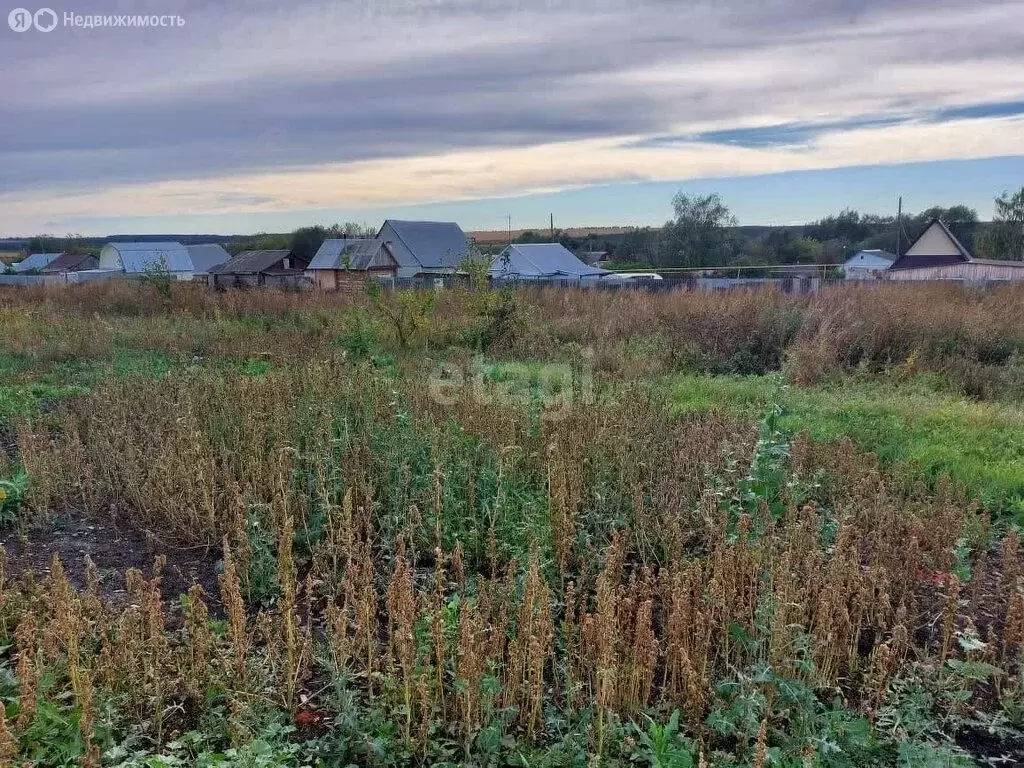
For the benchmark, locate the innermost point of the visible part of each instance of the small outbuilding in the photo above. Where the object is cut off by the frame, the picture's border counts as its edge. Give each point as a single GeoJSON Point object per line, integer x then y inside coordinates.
{"type": "Point", "coordinates": [139, 258]}
{"type": "Point", "coordinates": [867, 265]}
{"type": "Point", "coordinates": [345, 264]}
{"type": "Point", "coordinates": [277, 269]}
{"type": "Point", "coordinates": [544, 261]}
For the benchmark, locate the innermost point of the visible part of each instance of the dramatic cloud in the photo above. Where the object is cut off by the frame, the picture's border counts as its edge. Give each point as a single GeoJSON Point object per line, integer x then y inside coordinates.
{"type": "Point", "coordinates": [264, 107]}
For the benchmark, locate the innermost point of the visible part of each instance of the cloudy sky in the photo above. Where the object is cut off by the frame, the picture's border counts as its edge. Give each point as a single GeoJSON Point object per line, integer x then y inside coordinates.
{"type": "Point", "coordinates": [266, 116]}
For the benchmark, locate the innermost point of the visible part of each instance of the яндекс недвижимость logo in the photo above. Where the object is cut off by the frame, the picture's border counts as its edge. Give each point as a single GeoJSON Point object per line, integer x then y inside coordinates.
{"type": "Point", "coordinates": [22, 19]}
{"type": "Point", "coordinates": [46, 20]}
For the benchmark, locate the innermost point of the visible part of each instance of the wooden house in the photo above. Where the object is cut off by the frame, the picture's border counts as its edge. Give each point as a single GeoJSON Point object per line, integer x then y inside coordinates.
{"type": "Point", "coordinates": [345, 264]}
{"type": "Point", "coordinates": [278, 269]}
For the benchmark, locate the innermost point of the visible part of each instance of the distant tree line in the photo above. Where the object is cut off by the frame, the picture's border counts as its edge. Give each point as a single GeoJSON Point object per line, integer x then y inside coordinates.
{"type": "Point", "coordinates": [704, 233]}
{"type": "Point", "coordinates": [70, 243]}
{"type": "Point", "coordinates": [303, 242]}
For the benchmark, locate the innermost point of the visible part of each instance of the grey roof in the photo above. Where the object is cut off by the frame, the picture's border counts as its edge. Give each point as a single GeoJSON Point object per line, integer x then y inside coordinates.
{"type": "Point", "coordinates": [37, 261]}
{"type": "Point", "coordinates": [205, 257]}
{"type": "Point", "coordinates": [427, 244]}
{"type": "Point", "coordinates": [250, 262]}
{"type": "Point", "coordinates": [137, 258]}
{"type": "Point", "coordinates": [68, 262]}
{"type": "Point", "coordinates": [353, 253]}
{"type": "Point", "coordinates": [540, 260]}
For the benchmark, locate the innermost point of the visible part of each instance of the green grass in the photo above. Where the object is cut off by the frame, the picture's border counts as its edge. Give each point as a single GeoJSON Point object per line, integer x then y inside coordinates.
{"type": "Point", "coordinates": [979, 444]}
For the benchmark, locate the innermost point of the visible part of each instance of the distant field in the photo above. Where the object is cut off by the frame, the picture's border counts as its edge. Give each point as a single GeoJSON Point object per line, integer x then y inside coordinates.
{"type": "Point", "coordinates": [501, 236]}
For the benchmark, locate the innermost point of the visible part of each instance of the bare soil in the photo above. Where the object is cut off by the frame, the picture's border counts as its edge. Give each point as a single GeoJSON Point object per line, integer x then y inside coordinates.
{"type": "Point", "coordinates": [114, 547]}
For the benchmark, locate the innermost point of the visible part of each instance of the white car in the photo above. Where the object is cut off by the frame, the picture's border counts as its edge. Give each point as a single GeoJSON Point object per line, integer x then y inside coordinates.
{"type": "Point", "coordinates": [640, 276]}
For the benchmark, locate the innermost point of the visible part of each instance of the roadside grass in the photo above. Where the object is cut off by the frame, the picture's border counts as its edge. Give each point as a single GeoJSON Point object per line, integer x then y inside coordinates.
{"type": "Point", "coordinates": [913, 424]}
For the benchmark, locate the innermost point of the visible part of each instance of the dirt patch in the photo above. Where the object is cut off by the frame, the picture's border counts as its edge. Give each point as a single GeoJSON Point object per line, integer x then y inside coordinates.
{"type": "Point", "coordinates": [8, 443]}
{"type": "Point", "coordinates": [114, 548]}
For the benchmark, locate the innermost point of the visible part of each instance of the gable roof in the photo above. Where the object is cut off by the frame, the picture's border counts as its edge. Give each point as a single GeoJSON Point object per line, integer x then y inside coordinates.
{"type": "Point", "coordinates": [427, 244]}
{"type": "Point", "coordinates": [37, 261]}
{"type": "Point", "coordinates": [69, 262]}
{"type": "Point", "coordinates": [250, 262]}
{"type": "Point", "coordinates": [205, 257]}
{"type": "Point", "coordinates": [913, 256]}
{"type": "Point", "coordinates": [353, 253]}
{"type": "Point", "coordinates": [137, 258]}
{"type": "Point", "coordinates": [539, 260]}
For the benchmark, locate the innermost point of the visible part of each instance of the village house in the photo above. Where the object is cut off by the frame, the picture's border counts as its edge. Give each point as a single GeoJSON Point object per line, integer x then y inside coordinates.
{"type": "Point", "coordinates": [596, 258]}
{"type": "Point", "coordinates": [279, 269]}
{"type": "Point", "coordinates": [425, 248]}
{"type": "Point", "coordinates": [345, 264]}
{"type": "Point", "coordinates": [867, 265]}
{"type": "Point", "coordinates": [544, 261]}
{"type": "Point", "coordinates": [938, 255]}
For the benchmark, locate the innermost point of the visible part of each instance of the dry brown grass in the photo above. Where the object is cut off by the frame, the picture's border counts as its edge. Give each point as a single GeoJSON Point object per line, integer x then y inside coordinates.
{"type": "Point", "coordinates": [418, 552]}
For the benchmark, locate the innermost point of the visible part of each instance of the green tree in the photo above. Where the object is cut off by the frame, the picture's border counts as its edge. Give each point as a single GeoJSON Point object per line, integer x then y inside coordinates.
{"type": "Point", "coordinates": [699, 234]}
{"type": "Point", "coordinates": [350, 229]}
{"type": "Point", "coordinates": [41, 244]}
{"type": "Point", "coordinates": [407, 311]}
{"type": "Point", "coordinates": [1004, 239]}
{"type": "Point", "coordinates": [784, 246]}
{"type": "Point", "coordinates": [848, 226]}
{"type": "Point", "coordinates": [160, 278]}
{"type": "Point", "coordinates": [306, 241]}
{"type": "Point", "coordinates": [261, 241]}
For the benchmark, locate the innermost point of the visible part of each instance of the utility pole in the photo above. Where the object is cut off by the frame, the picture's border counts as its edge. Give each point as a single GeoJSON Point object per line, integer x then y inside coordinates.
{"type": "Point", "coordinates": [899, 228]}
{"type": "Point", "coordinates": [552, 227]}
{"type": "Point", "coordinates": [510, 229]}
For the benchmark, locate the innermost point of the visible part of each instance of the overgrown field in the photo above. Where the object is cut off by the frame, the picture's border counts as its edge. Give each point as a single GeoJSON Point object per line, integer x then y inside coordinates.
{"type": "Point", "coordinates": [535, 529]}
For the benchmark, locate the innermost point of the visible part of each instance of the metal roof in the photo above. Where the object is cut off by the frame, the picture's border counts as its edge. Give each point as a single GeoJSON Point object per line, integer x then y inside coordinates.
{"type": "Point", "coordinates": [538, 260]}
{"type": "Point", "coordinates": [250, 262]}
{"type": "Point", "coordinates": [353, 253]}
{"type": "Point", "coordinates": [137, 258]}
{"type": "Point", "coordinates": [205, 257]}
{"type": "Point", "coordinates": [428, 244]}
{"type": "Point", "coordinates": [69, 261]}
{"type": "Point", "coordinates": [871, 257]}
{"type": "Point", "coordinates": [37, 261]}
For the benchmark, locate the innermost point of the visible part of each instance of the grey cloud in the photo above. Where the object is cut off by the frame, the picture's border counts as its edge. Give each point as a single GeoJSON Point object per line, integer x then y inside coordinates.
{"type": "Point", "coordinates": [363, 80]}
